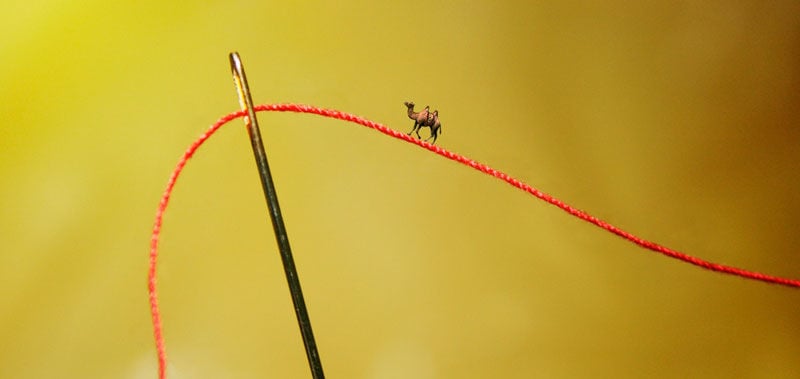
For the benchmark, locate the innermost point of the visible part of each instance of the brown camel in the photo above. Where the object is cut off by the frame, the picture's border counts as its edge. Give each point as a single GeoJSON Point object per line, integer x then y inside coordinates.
{"type": "Point", "coordinates": [423, 119]}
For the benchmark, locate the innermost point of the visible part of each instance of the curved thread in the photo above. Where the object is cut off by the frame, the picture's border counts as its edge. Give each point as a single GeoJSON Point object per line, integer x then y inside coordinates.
{"type": "Point", "coordinates": [300, 108]}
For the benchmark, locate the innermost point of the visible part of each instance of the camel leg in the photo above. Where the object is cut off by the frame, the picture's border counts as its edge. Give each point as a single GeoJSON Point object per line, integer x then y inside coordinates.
{"type": "Point", "coordinates": [419, 136]}
{"type": "Point", "coordinates": [433, 135]}
{"type": "Point", "coordinates": [415, 128]}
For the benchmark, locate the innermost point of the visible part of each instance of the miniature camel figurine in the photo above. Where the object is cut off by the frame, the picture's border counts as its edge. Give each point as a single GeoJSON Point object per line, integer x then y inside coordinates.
{"type": "Point", "coordinates": [423, 119]}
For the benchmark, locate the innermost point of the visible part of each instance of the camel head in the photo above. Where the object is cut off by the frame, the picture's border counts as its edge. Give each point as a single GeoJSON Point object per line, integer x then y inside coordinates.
{"type": "Point", "coordinates": [409, 104]}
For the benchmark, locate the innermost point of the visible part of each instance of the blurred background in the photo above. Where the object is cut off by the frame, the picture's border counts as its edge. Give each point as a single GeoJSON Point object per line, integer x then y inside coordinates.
{"type": "Point", "coordinates": [677, 121]}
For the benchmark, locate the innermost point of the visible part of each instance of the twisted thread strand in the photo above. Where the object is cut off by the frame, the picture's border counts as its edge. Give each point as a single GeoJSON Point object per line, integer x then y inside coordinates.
{"type": "Point", "coordinates": [300, 108]}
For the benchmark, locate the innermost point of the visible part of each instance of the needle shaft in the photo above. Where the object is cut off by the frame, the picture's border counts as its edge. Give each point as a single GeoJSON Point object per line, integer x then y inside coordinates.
{"type": "Point", "coordinates": [246, 102]}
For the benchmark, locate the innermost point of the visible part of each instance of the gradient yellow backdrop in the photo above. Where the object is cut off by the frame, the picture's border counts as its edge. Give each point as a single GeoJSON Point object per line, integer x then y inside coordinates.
{"type": "Point", "coordinates": [677, 121]}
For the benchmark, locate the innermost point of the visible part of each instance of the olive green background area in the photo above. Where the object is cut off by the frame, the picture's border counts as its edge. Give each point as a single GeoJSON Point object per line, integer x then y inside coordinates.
{"type": "Point", "coordinates": [675, 121]}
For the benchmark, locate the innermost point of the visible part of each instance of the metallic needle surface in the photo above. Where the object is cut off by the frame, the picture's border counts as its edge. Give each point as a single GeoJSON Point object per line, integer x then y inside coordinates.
{"type": "Point", "coordinates": [246, 102]}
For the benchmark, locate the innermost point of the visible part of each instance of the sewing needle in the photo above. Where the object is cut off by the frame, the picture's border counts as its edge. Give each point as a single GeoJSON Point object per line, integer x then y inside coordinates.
{"type": "Point", "coordinates": [246, 103]}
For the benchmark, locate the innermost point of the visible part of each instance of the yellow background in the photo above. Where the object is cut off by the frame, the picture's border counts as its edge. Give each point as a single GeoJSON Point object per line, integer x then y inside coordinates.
{"type": "Point", "coordinates": [676, 121]}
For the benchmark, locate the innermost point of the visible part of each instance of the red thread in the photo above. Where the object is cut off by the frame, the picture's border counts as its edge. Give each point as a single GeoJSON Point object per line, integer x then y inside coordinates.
{"type": "Point", "coordinates": [299, 108]}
